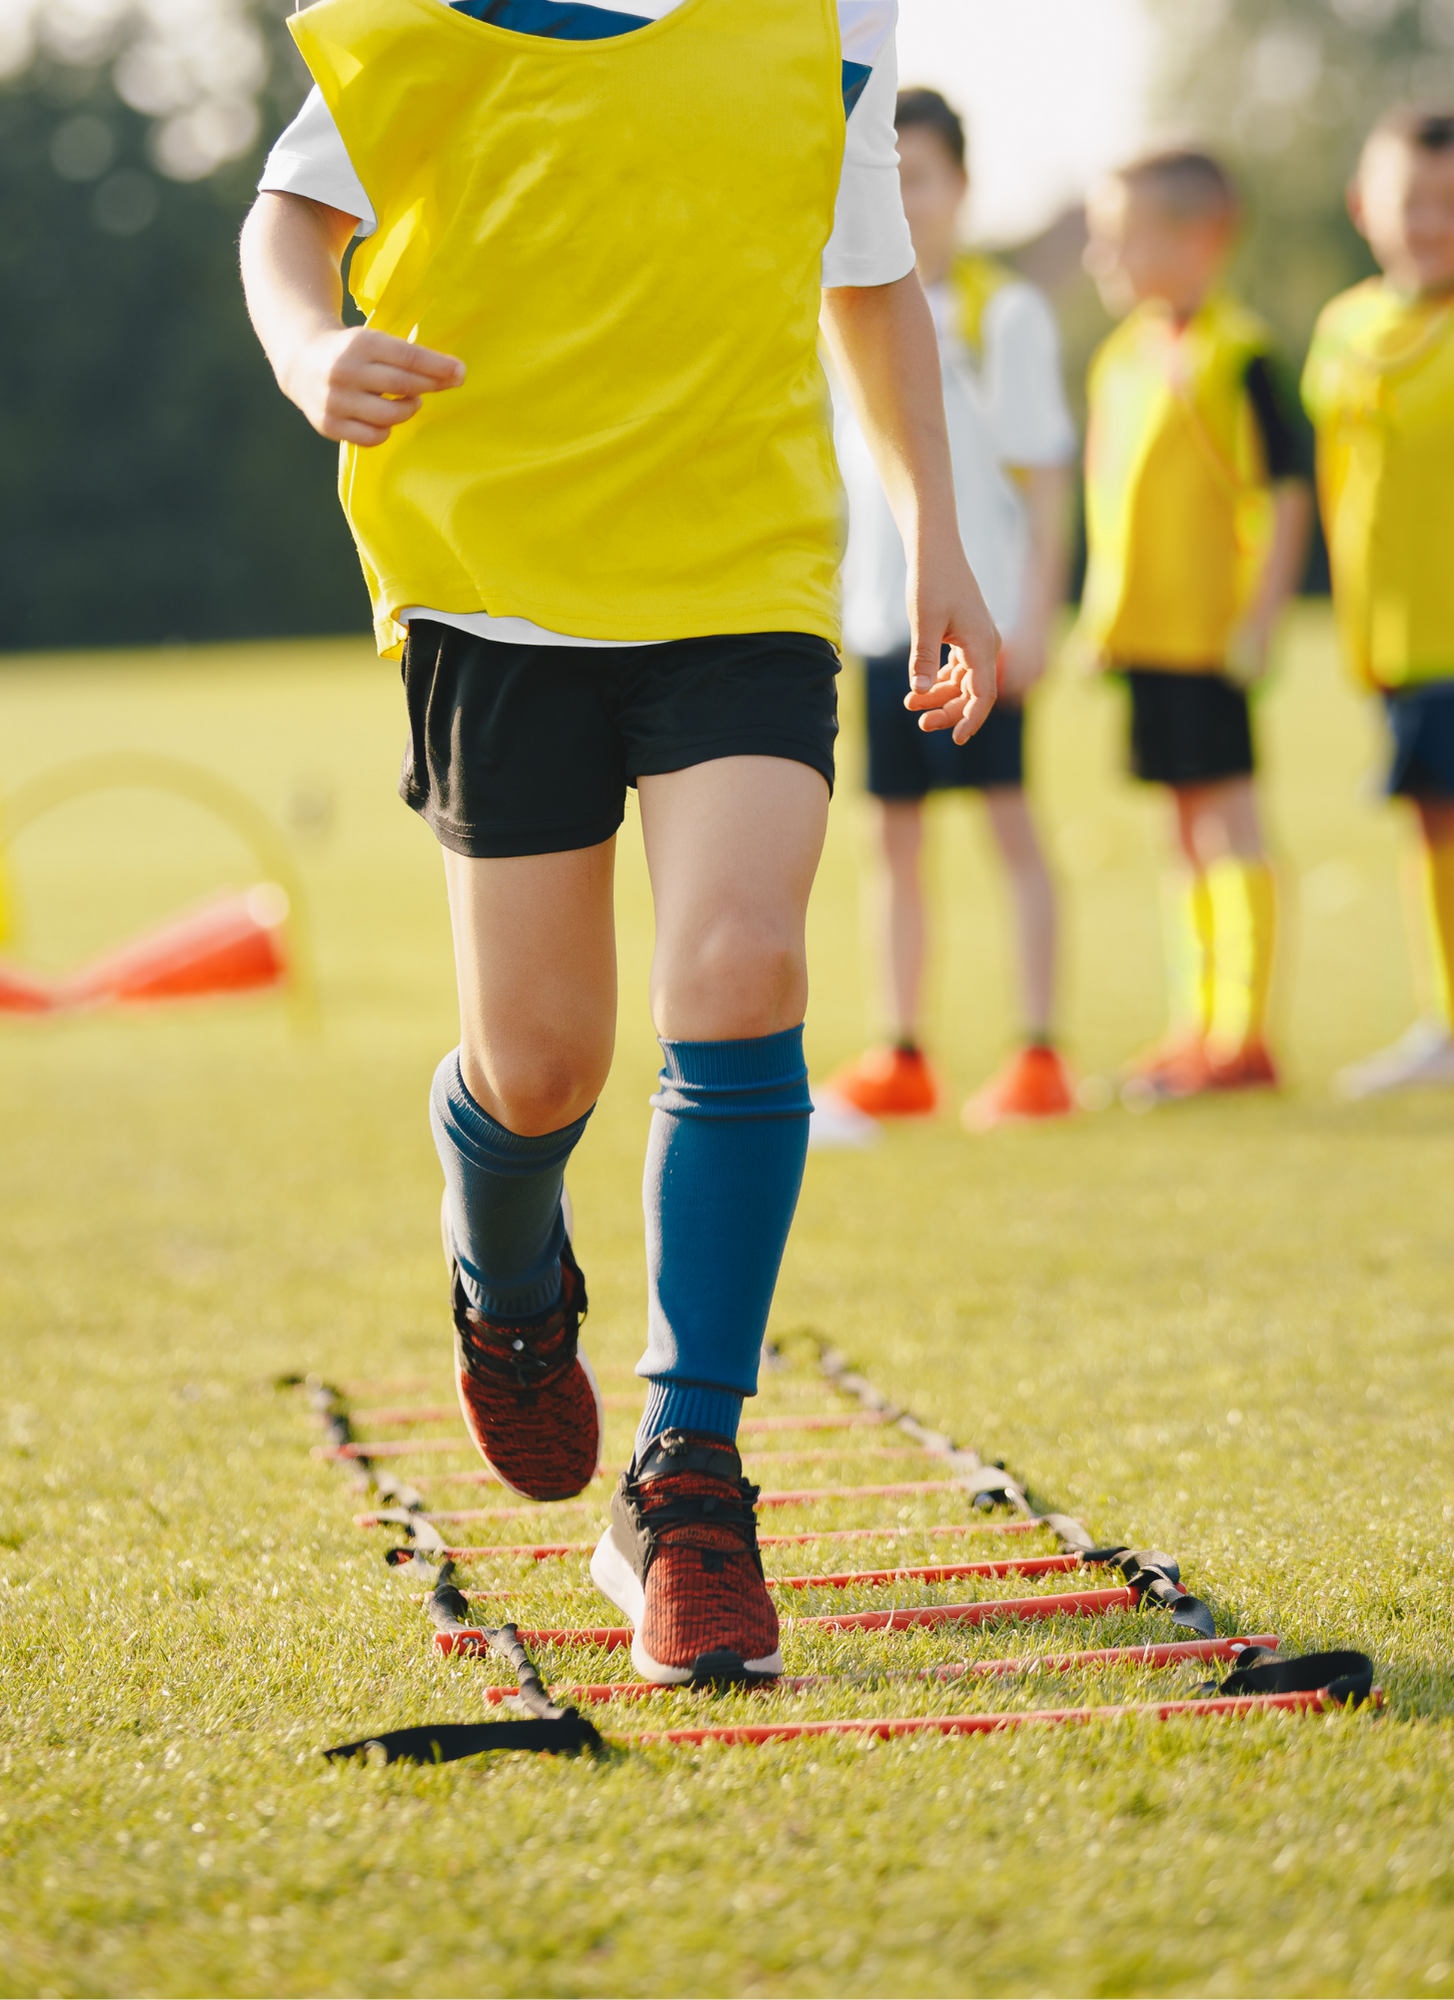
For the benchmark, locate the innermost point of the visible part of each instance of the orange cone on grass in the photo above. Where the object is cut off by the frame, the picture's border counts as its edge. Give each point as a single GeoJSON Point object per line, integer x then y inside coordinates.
{"type": "Point", "coordinates": [234, 945]}
{"type": "Point", "coordinates": [20, 993]}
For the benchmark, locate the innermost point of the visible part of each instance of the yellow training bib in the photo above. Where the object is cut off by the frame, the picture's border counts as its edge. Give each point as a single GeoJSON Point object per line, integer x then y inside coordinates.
{"type": "Point", "coordinates": [975, 280]}
{"type": "Point", "coordinates": [622, 240]}
{"type": "Point", "coordinates": [1379, 386]}
{"type": "Point", "coordinates": [1177, 506]}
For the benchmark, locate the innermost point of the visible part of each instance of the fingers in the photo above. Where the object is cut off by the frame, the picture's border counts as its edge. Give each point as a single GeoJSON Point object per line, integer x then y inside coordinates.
{"type": "Point", "coordinates": [423, 368]}
{"type": "Point", "coordinates": [981, 686]}
{"type": "Point", "coordinates": [366, 419]}
{"type": "Point", "coordinates": [924, 667]}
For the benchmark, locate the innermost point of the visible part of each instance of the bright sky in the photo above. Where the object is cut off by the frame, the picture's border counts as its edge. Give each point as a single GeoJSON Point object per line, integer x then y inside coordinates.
{"type": "Point", "coordinates": [1054, 92]}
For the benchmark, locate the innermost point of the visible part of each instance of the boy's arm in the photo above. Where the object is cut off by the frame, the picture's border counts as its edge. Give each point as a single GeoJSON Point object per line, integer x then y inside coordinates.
{"type": "Point", "coordinates": [1047, 490]}
{"type": "Point", "coordinates": [351, 383]}
{"type": "Point", "coordinates": [1287, 446]}
{"type": "Point", "coordinates": [884, 346]}
{"type": "Point", "coordinates": [1292, 524]}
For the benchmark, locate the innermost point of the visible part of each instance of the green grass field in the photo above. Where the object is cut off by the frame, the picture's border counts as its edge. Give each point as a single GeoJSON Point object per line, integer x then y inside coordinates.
{"type": "Point", "coordinates": [1223, 1329]}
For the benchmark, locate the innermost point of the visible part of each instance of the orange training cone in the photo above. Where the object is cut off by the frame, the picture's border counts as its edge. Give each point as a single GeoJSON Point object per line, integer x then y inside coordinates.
{"type": "Point", "coordinates": [22, 994]}
{"type": "Point", "coordinates": [231, 946]}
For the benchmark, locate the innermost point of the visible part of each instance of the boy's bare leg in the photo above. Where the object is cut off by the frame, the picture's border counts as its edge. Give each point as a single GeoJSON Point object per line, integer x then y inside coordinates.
{"type": "Point", "coordinates": [1033, 894]}
{"type": "Point", "coordinates": [1424, 1055]}
{"type": "Point", "coordinates": [1218, 822]}
{"type": "Point", "coordinates": [899, 825]}
{"type": "Point", "coordinates": [732, 847]}
{"type": "Point", "coordinates": [535, 958]}
{"type": "Point", "coordinates": [1436, 824]}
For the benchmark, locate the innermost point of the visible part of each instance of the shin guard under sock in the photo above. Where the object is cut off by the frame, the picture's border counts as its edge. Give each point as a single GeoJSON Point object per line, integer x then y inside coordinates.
{"type": "Point", "coordinates": [503, 1200]}
{"type": "Point", "coordinates": [724, 1167]}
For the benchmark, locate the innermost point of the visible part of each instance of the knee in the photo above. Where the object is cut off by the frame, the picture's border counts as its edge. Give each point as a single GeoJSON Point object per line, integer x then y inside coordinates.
{"type": "Point", "coordinates": [739, 978]}
{"type": "Point", "coordinates": [535, 1089]}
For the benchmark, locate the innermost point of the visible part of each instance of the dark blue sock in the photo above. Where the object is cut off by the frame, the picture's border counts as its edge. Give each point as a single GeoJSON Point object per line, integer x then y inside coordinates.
{"type": "Point", "coordinates": [724, 1167]}
{"type": "Point", "coordinates": [503, 1201]}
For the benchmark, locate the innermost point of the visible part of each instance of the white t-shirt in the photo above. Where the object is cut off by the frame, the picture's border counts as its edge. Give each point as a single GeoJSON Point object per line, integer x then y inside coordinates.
{"type": "Point", "coordinates": [870, 243]}
{"type": "Point", "coordinates": [1006, 409]}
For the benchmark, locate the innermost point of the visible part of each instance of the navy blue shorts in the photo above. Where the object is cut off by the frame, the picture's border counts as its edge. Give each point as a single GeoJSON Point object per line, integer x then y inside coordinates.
{"type": "Point", "coordinates": [1422, 721]}
{"type": "Point", "coordinates": [905, 762]}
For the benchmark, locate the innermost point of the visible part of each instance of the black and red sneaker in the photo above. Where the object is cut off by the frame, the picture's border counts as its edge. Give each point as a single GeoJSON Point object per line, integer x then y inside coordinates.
{"type": "Point", "coordinates": [528, 1394]}
{"type": "Point", "coordinates": [680, 1559]}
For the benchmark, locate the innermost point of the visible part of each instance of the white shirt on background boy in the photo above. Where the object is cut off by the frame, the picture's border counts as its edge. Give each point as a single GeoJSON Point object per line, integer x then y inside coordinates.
{"type": "Point", "coordinates": [1006, 410]}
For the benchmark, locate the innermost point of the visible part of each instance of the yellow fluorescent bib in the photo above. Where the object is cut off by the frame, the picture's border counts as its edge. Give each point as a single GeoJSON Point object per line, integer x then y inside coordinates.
{"type": "Point", "coordinates": [622, 240]}
{"type": "Point", "coordinates": [1177, 506]}
{"type": "Point", "coordinates": [975, 280]}
{"type": "Point", "coordinates": [1379, 386]}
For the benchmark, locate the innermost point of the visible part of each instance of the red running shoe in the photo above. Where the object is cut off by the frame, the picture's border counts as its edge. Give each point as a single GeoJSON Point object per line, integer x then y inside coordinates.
{"type": "Point", "coordinates": [888, 1083]}
{"type": "Point", "coordinates": [680, 1559]}
{"type": "Point", "coordinates": [529, 1398]}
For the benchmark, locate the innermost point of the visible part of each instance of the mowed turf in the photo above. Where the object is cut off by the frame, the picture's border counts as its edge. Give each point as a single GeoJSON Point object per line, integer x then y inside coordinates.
{"type": "Point", "coordinates": [1221, 1329]}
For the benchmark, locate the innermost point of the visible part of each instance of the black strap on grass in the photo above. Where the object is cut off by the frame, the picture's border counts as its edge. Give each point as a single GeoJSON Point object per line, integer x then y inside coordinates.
{"type": "Point", "coordinates": [1156, 1579]}
{"type": "Point", "coordinates": [1346, 1677]}
{"type": "Point", "coordinates": [447, 1742]}
{"type": "Point", "coordinates": [545, 1727]}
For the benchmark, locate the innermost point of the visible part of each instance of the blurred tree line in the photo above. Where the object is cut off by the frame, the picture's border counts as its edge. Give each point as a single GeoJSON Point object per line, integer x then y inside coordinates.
{"type": "Point", "coordinates": [157, 486]}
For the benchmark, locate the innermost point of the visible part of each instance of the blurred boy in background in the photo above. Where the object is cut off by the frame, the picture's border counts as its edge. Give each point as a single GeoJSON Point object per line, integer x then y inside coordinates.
{"type": "Point", "coordinates": [1380, 389]}
{"type": "Point", "coordinates": [1012, 441]}
{"type": "Point", "coordinates": [1198, 504]}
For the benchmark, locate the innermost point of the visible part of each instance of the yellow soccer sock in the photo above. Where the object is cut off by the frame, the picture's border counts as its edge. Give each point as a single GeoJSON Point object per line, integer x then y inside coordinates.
{"type": "Point", "coordinates": [1243, 897]}
{"type": "Point", "coordinates": [1187, 927]}
{"type": "Point", "coordinates": [1439, 884]}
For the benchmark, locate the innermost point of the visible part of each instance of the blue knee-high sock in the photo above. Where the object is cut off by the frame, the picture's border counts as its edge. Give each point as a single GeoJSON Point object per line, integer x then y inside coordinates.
{"type": "Point", "coordinates": [724, 1167]}
{"type": "Point", "coordinates": [503, 1200]}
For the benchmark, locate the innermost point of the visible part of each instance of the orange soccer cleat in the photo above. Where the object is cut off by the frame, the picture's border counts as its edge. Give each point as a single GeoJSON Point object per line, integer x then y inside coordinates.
{"type": "Point", "coordinates": [1177, 1067]}
{"type": "Point", "coordinates": [1034, 1083]}
{"type": "Point", "coordinates": [888, 1082]}
{"type": "Point", "coordinates": [1248, 1067]}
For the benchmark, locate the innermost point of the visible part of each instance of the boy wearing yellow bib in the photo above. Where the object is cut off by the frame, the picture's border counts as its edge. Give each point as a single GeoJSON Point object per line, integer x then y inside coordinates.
{"type": "Point", "coordinates": [587, 463]}
{"type": "Point", "coordinates": [1379, 386]}
{"type": "Point", "coordinates": [1198, 506]}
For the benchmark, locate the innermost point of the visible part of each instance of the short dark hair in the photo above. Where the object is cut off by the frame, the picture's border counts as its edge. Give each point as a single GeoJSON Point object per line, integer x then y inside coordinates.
{"type": "Point", "coordinates": [1190, 185]}
{"type": "Point", "coordinates": [932, 113]}
{"type": "Point", "coordinates": [1423, 128]}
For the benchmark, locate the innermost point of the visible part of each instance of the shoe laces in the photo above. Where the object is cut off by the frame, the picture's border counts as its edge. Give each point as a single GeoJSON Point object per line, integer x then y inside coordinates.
{"type": "Point", "coordinates": [529, 1352]}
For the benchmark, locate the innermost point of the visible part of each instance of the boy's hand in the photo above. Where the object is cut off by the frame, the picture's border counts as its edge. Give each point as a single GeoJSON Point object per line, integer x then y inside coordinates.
{"type": "Point", "coordinates": [354, 385]}
{"type": "Point", "coordinates": [1249, 651]}
{"type": "Point", "coordinates": [959, 694]}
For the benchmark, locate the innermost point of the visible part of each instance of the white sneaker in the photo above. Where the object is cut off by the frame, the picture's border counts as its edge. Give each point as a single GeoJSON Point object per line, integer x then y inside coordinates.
{"type": "Point", "coordinates": [836, 1123]}
{"type": "Point", "coordinates": [1424, 1056]}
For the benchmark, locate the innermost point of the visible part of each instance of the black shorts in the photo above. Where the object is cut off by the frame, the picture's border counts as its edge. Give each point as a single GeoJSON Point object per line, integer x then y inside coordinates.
{"type": "Point", "coordinates": [907, 762]}
{"type": "Point", "coordinates": [1422, 721]}
{"type": "Point", "coordinates": [1188, 729]}
{"type": "Point", "coordinates": [529, 749]}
